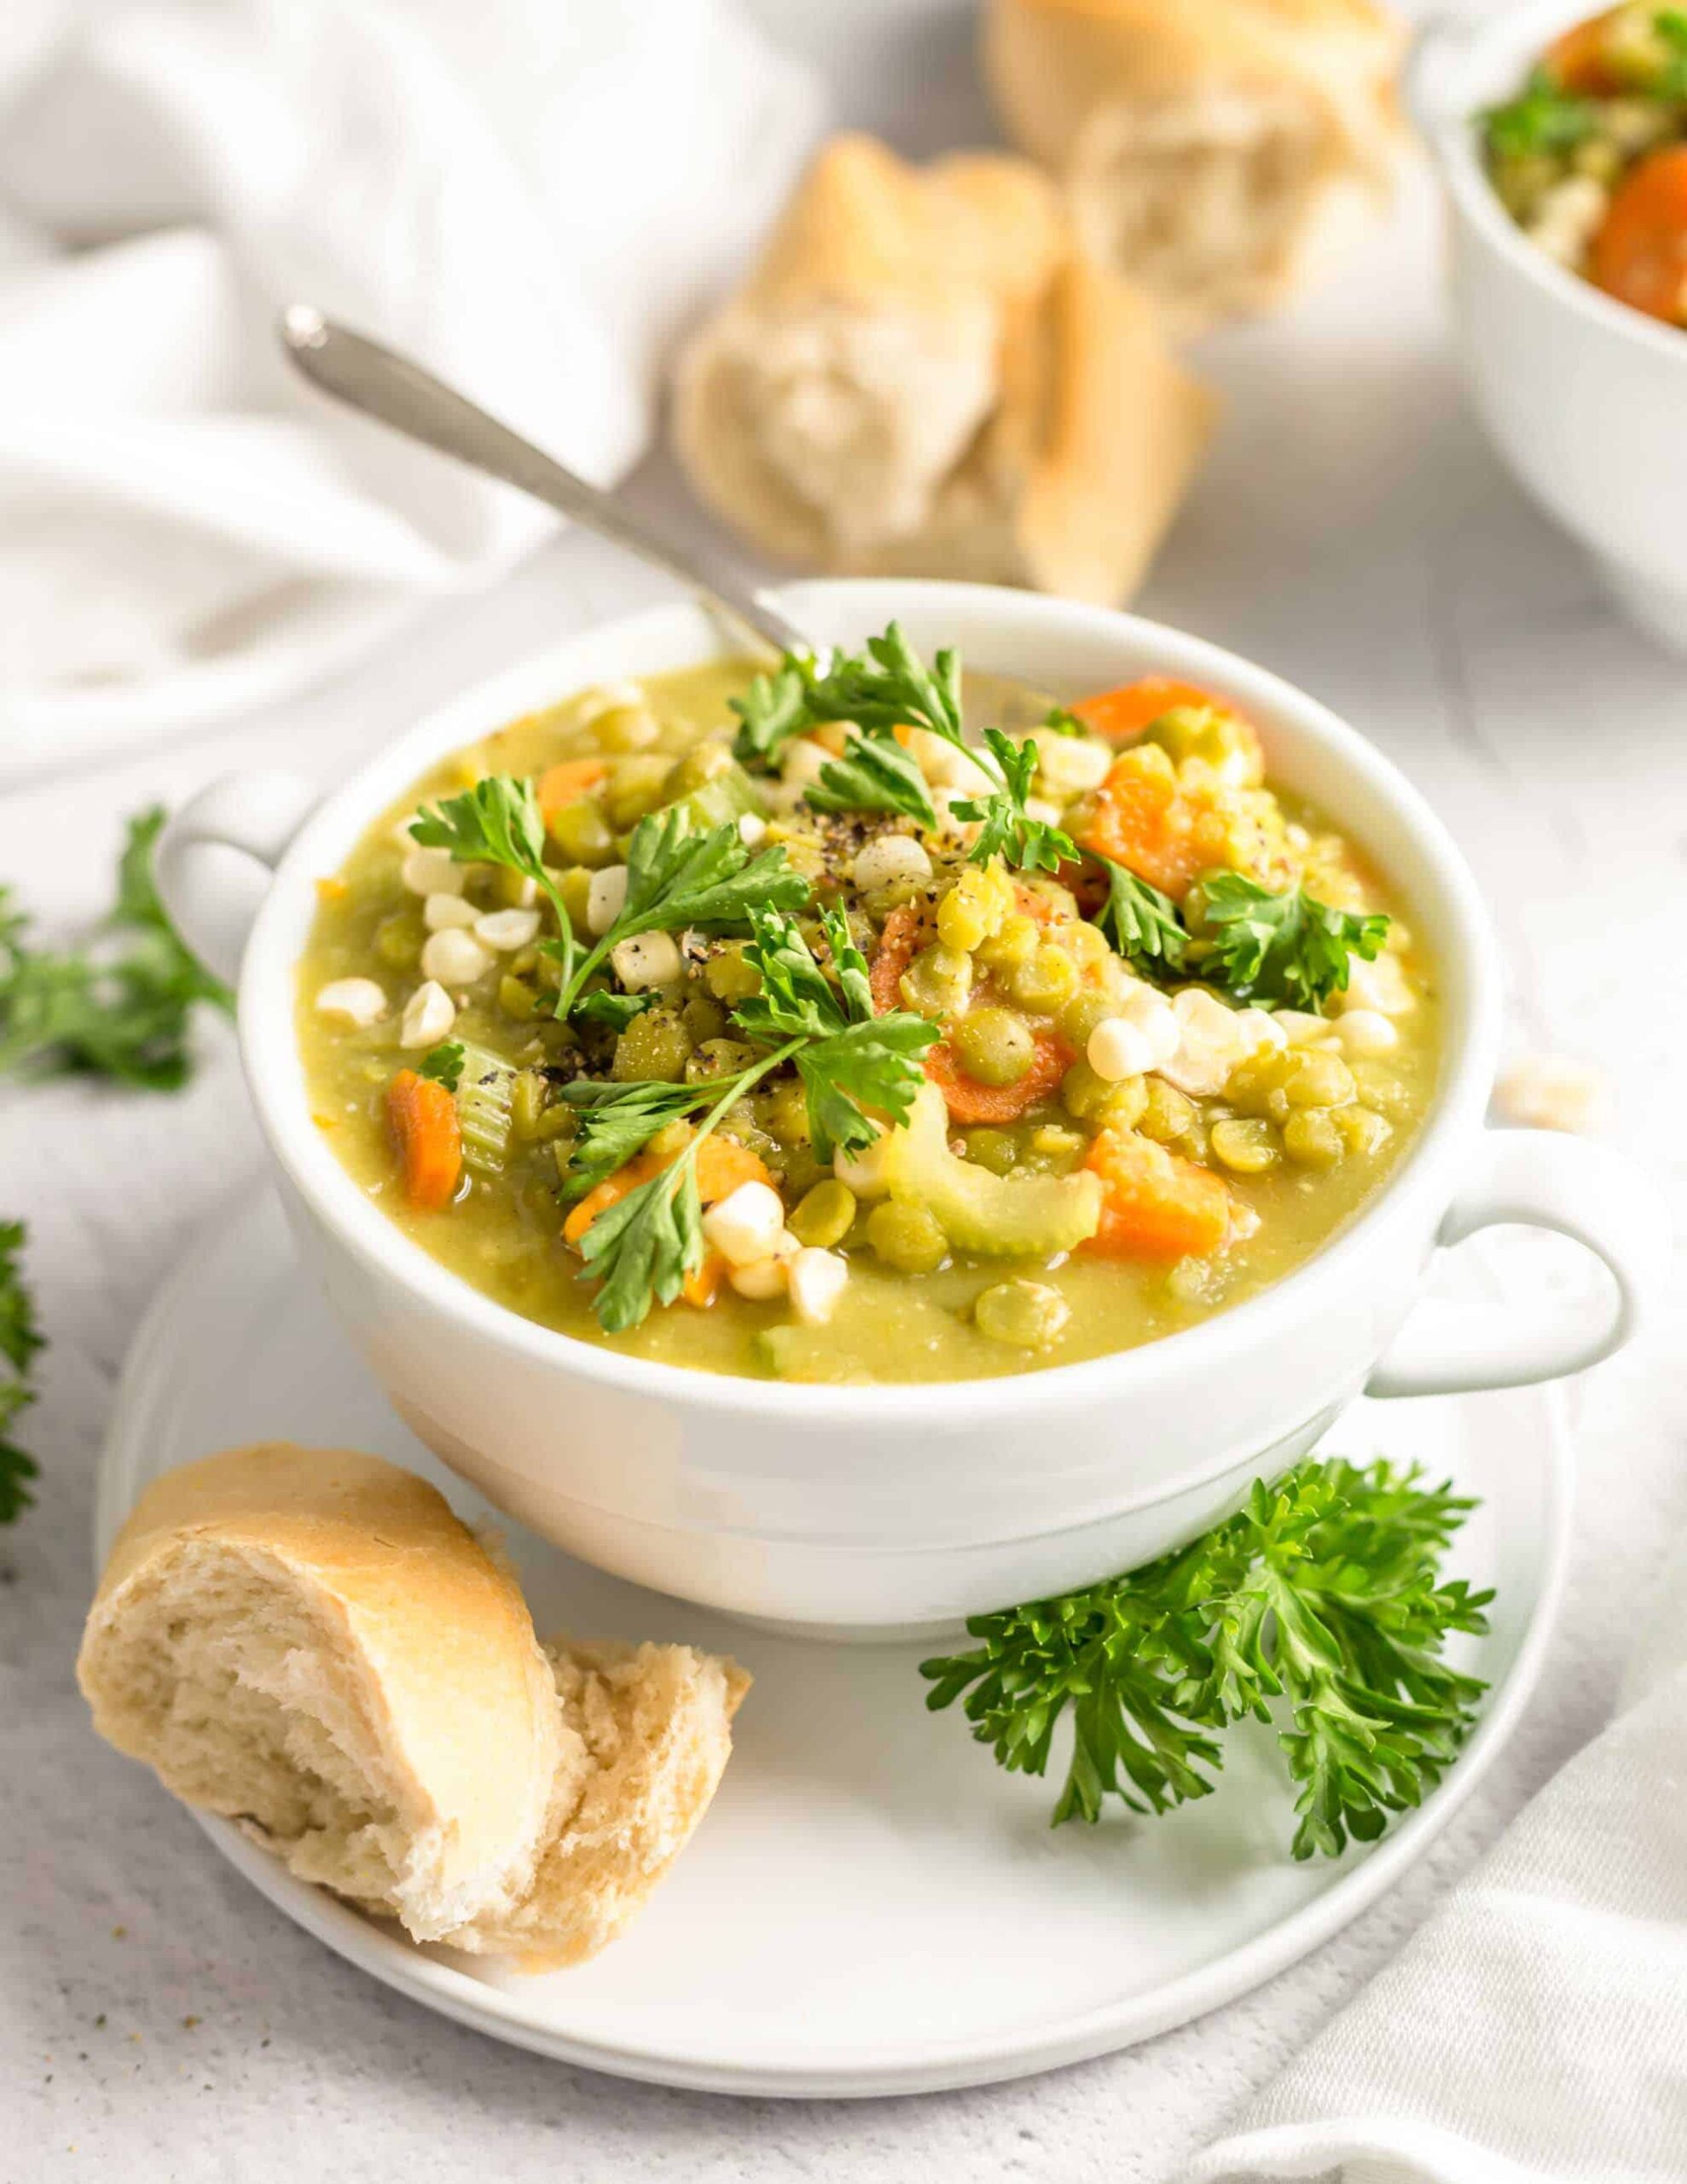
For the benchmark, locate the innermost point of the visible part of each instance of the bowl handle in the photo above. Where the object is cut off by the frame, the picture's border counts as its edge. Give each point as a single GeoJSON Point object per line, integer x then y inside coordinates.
{"type": "Point", "coordinates": [215, 858]}
{"type": "Point", "coordinates": [1539, 1179]}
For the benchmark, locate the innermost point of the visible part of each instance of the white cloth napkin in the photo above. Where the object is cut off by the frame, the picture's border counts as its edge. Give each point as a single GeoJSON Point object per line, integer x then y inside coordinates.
{"type": "Point", "coordinates": [1535, 2031]}
{"type": "Point", "coordinates": [529, 195]}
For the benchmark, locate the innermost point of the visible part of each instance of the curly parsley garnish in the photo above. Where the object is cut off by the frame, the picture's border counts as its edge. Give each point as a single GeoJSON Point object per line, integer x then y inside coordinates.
{"type": "Point", "coordinates": [498, 822]}
{"type": "Point", "coordinates": [675, 875]}
{"type": "Point", "coordinates": [1143, 925]}
{"type": "Point", "coordinates": [850, 1061]}
{"type": "Point", "coordinates": [884, 688]}
{"type": "Point", "coordinates": [1286, 950]}
{"type": "Point", "coordinates": [1544, 117]}
{"type": "Point", "coordinates": [1320, 1609]}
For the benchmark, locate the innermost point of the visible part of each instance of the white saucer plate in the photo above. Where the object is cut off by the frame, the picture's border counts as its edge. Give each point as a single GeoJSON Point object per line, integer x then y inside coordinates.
{"type": "Point", "coordinates": [871, 1906]}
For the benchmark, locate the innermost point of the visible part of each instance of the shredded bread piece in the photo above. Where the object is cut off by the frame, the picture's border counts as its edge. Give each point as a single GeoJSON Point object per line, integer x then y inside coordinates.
{"type": "Point", "coordinates": [923, 369]}
{"type": "Point", "coordinates": [310, 1642]}
{"type": "Point", "coordinates": [1222, 153]}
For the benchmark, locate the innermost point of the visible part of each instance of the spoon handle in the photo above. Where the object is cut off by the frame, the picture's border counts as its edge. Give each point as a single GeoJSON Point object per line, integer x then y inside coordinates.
{"type": "Point", "coordinates": [401, 394]}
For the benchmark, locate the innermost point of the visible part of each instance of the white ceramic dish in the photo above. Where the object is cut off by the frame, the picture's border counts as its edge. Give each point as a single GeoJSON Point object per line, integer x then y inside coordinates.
{"type": "Point", "coordinates": [871, 1906]}
{"type": "Point", "coordinates": [881, 1509]}
{"type": "Point", "coordinates": [1583, 395]}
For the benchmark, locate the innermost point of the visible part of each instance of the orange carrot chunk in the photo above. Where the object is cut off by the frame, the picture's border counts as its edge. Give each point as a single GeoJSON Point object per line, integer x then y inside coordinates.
{"type": "Point", "coordinates": [1142, 821]}
{"type": "Point", "coordinates": [1122, 715]}
{"type": "Point", "coordinates": [970, 1101]}
{"type": "Point", "coordinates": [702, 1285]}
{"type": "Point", "coordinates": [1157, 1207]}
{"type": "Point", "coordinates": [722, 1163]}
{"type": "Point", "coordinates": [567, 782]}
{"type": "Point", "coordinates": [421, 1117]}
{"type": "Point", "coordinates": [1577, 59]}
{"type": "Point", "coordinates": [898, 943]}
{"type": "Point", "coordinates": [1640, 254]}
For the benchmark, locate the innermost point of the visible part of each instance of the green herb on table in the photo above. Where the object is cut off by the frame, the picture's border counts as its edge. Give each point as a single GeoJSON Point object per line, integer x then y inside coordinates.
{"type": "Point", "coordinates": [1319, 1608]}
{"type": "Point", "coordinates": [1283, 950]}
{"type": "Point", "coordinates": [850, 1061]}
{"type": "Point", "coordinates": [1542, 119]}
{"type": "Point", "coordinates": [877, 691]}
{"type": "Point", "coordinates": [19, 1341]}
{"type": "Point", "coordinates": [1143, 925]}
{"type": "Point", "coordinates": [120, 1008]}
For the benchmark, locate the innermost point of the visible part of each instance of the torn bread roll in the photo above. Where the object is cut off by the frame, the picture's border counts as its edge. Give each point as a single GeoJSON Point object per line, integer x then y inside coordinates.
{"type": "Point", "coordinates": [922, 378]}
{"type": "Point", "coordinates": [1222, 153]}
{"type": "Point", "coordinates": [309, 1641]}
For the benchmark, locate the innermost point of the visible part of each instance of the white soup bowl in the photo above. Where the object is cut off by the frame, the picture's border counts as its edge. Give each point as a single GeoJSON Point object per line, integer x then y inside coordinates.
{"type": "Point", "coordinates": [878, 1509]}
{"type": "Point", "coordinates": [1584, 396]}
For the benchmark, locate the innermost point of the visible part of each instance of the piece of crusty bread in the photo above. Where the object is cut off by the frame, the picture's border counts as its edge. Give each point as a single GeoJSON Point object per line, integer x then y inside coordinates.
{"type": "Point", "coordinates": [922, 377]}
{"type": "Point", "coordinates": [310, 1641]}
{"type": "Point", "coordinates": [1220, 153]}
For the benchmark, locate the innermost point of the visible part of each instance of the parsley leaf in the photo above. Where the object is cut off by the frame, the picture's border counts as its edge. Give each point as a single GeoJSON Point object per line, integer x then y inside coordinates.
{"type": "Point", "coordinates": [1285, 950]}
{"type": "Point", "coordinates": [1143, 924]}
{"type": "Point", "coordinates": [445, 1065]}
{"type": "Point", "coordinates": [881, 690]}
{"type": "Point", "coordinates": [122, 1013]}
{"type": "Point", "coordinates": [19, 1341]}
{"type": "Point", "coordinates": [617, 1121]}
{"type": "Point", "coordinates": [676, 877]}
{"type": "Point", "coordinates": [851, 1060]}
{"type": "Point", "coordinates": [875, 773]}
{"type": "Point", "coordinates": [617, 1010]}
{"type": "Point", "coordinates": [1542, 118]}
{"type": "Point", "coordinates": [1009, 830]}
{"type": "Point", "coordinates": [645, 1245]}
{"type": "Point", "coordinates": [1319, 1607]}
{"type": "Point", "coordinates": [498, 822]}
{"type": "Point", "coordinates": [888, 687]}
{"type": "Point", "coordinates": [774, 709]}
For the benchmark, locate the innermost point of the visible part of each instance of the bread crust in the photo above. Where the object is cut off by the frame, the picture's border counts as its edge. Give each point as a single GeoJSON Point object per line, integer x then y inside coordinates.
{"type": "Point", "coordinates": [451, 1689]}
{"type": "Point", "coordinates": [1074, 431]}
{"type": "Point", "coordinates": [1084, 85]}
{"type": "Point", "coordinates": [502, 1796]}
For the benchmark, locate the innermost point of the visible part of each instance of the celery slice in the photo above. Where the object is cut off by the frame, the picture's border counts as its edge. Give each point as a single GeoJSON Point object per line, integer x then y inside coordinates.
{"type": "Point", "coordinates": [485, 1093]}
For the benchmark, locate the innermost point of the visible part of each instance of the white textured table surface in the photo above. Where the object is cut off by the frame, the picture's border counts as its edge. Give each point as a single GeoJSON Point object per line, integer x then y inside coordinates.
{"type": "Point", "coordinates": [1353, 532]}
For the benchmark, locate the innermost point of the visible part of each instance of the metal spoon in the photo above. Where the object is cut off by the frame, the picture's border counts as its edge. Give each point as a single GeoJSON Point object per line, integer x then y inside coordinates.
{"type": "Point", "coordinates": [401, 394]}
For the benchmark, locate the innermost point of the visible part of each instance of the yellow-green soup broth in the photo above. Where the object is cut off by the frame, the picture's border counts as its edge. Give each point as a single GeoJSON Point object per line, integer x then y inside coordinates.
{"type": "Point", "coordinates": [1103, 1146]}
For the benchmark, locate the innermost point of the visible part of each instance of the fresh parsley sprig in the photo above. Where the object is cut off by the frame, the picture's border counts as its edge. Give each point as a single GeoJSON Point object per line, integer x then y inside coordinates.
{"type": "Point", "coordinates": [1143, 925]}
{"type": "Point", "coordinates": [498, 822]}
{"type": "Point", "coordinates": [854, 1067]}
{"type": "Point", "coordinates": [1543, 118]}
{"type": "Point", "coordinates": [641, 1250]}
{"type": "Point", "coordinates": [875, 773]}
{"type": "Point", "coordinates": [884, 688]}
{"type": "Point", "coordinates": [850, 1059]}
{"type": "Point", "coordinates": [676, 877]}
{"type": "Point", "coordinates": [21, 1340]}
{"type": "Point", "coordinates": [121, 1008]}
{"type": "Point", "coordinates": [444, 1064]}
{"type": "Point", "coordinates": [1320, 1607]}
{"type": "Point", "coordinates": [1282, 950]}
{"type": "Point", "coordinates": [1007, 828]}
